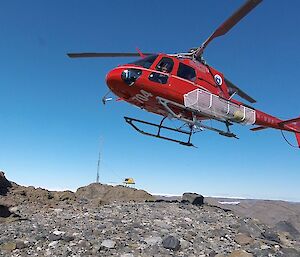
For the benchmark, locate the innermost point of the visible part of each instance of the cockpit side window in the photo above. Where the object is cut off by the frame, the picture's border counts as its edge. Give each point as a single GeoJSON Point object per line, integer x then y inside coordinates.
{"type": "Point", "coordinates": [165, 65]}
{"type": "Point", "coordinates": [145, 62]}
{"type": "Point", "coordinates": [186, 72]}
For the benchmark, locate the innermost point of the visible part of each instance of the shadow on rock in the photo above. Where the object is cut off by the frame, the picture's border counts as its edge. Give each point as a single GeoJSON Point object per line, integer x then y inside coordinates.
{"type": "Point", "coordinates": [4, 211]}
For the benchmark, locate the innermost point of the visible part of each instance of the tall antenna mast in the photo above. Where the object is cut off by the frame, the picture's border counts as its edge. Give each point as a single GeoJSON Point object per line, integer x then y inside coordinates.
{"type": "Point", "coordinates": [98, 167]}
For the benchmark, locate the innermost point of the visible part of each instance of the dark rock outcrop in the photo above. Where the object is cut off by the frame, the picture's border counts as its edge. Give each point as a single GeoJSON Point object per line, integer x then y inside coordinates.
{"type": "Point", "coordinates": [4, 184]}
{"type": "Point", "coordinates": [4, 211]}
{"type": "Point", "coordinates": [192, 198]}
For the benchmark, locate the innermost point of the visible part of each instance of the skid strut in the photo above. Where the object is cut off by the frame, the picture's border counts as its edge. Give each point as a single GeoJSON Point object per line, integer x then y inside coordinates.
{"type": "Point", "coordinates": [194, 122]}
{"type": "Point", "coordinates": [195, 125]}
{"type": "Point", "coordinates": [131, 122]}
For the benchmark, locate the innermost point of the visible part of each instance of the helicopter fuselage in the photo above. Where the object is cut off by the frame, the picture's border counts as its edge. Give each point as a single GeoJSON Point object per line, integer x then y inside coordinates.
{"type": "Point", "coordinates": [140, 85]}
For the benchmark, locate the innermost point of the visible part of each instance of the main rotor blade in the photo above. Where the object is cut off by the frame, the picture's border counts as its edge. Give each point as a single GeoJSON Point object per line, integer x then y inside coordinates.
{"type": "Point", "coordinates": [234, 89]}
{"type": "Point", "coordinates": [229, 23]}
{"type": "Point", "coordinates": [88, 55]}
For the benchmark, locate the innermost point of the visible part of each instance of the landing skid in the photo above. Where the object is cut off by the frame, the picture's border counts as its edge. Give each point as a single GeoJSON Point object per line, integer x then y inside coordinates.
{"type": "Point", "coordinates": [194, 124]}
{"type": "Point", "coordinates": [131, 122]}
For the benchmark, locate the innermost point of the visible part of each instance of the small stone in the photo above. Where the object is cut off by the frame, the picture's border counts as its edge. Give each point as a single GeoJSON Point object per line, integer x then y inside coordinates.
{"type": "Point", "coordinates": [243, 239]}
{"type": "Point", "coordinates": [48, 252]}
{"type": "Point", "coordinates": [127, 255]}
{"type": "Point", "coordinates": [171, 242]}
{"type": "Point", "coordinates": [58, 233]}
{"type": "Point", "coordinates": [219, 233]}
{"type": "Point", "coordinates": [96, 248]}
{"type": "Point", "coordinates": [53, 237]}
{"type": "Point", "coordinates": [187, 219]}
{"type": "Point", "coordinates": [53, 244]}
{"type": "Point", "coordinates": [108, 244]}
{"type": "Point", "coordinates": [161, 224]}
{"type": "Point", "coordinates": [240, 253]}
{"type": "Point", "coordinates": [271, 236]}
{"type": "Point", "coordinates": [153, 240]}
{"type": "Point", "coordinates": [20, 244]}
{"type": "Point", "coordinates": [10, 246]}
{"type": "Point", "coordinates": [184, 244]}
{"type": "Point", "coordinates": [212, 254]}
{"type": "Point", "coordinates": [264, 247]}
{"type": "Point", "coordinates": [14, 209]}
{"type": "Point", "coordinates": [83, 244]}
{"type": "Point", "coordinates": [67, 238]}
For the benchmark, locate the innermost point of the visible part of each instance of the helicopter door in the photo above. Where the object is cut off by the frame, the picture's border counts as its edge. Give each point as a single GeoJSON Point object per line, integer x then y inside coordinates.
{"type": "Point", "coordinates": [184, 80]}
{"type": "Point", "coordinates": [165, 66]}
{"type": "Point", "coordinates": [186, 72]}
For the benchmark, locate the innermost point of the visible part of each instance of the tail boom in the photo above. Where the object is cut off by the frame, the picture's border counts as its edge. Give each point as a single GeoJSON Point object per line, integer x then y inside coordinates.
{"type": "Point", "coordinates": [264, 121]}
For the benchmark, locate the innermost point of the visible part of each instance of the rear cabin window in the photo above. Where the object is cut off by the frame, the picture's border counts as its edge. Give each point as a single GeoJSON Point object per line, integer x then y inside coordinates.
{"type": "Point", "coordinates": [186, 72]}
{"type": "Point", "coordinates": [165, 65]}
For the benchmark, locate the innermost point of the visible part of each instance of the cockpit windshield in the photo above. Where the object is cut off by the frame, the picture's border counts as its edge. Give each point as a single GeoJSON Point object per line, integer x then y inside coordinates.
{"type": "Point", "coordinates": [145, 62]}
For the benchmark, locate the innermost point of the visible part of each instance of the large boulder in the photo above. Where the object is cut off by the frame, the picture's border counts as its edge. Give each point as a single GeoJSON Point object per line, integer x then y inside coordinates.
{"type": "Point", "coordinates": [192, 198]}
{"type": "Point", "coordinates": [107, 194]}
{"type": "Point", "coordinates": [4, 184]}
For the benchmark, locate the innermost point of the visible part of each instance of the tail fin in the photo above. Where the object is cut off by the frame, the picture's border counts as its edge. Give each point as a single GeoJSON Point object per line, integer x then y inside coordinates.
{"type": "Point", "coordinates": [298, 138]}
{"type": "Point", "coordinates": [292, 125]}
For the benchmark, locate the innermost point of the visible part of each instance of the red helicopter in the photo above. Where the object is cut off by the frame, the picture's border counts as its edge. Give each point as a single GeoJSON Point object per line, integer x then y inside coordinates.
{"type": "Point", "coordinates": [183, 86]}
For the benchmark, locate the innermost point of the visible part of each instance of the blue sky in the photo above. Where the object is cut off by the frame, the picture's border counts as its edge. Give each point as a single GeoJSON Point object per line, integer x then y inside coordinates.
{"type": "Point", "coordinates": [53, 122]}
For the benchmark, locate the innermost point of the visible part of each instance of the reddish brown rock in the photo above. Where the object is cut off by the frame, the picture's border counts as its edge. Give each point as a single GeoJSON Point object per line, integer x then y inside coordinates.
{"type": "Point", "coordinates": [240, 253]}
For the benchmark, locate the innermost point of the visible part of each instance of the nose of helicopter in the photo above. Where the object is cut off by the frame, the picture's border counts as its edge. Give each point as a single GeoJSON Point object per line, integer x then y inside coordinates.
{"type": "Point", "coordinates": [113, 77]}
{"type": "Point", "coordinates": [121, 81]}
{"type": "Point", "coordinates": [115, 83]}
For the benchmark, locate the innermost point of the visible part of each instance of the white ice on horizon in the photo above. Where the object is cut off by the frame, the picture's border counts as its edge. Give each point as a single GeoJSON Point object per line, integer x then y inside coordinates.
{"type": "Point", "coordinates": [230, 203]}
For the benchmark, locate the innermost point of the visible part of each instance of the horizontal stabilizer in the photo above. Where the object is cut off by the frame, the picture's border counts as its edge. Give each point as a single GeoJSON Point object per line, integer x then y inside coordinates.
{"type": "Point", "coordinates": [290, 121]}
{"type": "Point", "coordinates": [258, 128]}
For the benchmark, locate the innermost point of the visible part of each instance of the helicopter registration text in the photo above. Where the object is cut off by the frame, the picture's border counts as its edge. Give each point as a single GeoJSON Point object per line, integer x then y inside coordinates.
{"type": "Point", "coordinates": [142, 97]}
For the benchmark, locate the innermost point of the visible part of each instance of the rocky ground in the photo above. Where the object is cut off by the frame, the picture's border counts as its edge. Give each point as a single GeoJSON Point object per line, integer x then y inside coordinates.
{"type": "Point", "coordinates": [101, 221]}
{"type": "Point", "coordinates": [272, 213]}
